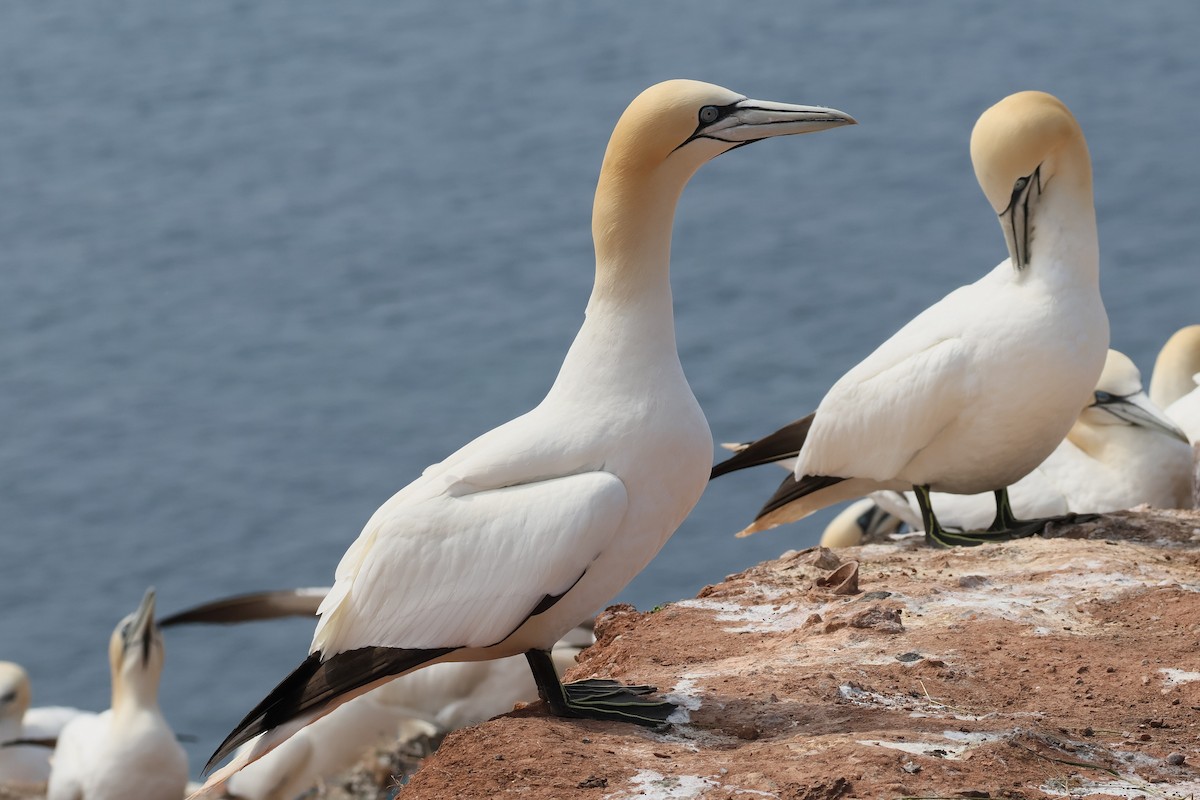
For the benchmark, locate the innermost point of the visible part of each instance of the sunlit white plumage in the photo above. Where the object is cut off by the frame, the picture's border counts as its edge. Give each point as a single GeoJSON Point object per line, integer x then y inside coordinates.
{"type": "Point", "coordinates": [508, 543]}
{"type": "Point", "coordinates": [1175, 384]}
{"type": "Point", "coordinates": [129, 750]}
{"type": "Point", "coordinates": [979, 388]}
{"type": "Point", "coordinates": [1121, 452]}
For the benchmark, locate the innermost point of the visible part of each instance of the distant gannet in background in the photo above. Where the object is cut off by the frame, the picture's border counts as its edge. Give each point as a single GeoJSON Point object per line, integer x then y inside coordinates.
{"type": "Point", "coordinates": [979, 388]}
{"type": "Point", "coordinates": [503, 547]}
{"type": "Point", "coordinates": [128, 751]}
{"type": "Point", "coordinates": [26, 764]}
{"type": "Point", "coordinates": [1121, 452]}
{"type": "Point", "coordinates": [432, 701]}
{"type": "Point", "coordinates": [1175, 384]}
{"type": "Point", "coordinates": [861, 521]}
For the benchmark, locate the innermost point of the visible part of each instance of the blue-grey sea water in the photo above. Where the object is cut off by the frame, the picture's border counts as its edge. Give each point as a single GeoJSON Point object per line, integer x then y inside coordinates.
{"type": "Point", "coordinates": [261, 262]}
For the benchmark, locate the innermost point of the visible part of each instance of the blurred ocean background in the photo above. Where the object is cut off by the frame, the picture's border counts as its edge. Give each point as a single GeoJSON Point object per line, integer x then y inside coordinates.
{"type": "Point", "coordinates": [264, 261]}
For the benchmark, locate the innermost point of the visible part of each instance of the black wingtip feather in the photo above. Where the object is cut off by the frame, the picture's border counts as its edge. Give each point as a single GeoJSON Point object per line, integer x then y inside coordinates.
{"type": "Point", "coordinates": [792, 489]}
{"type": "Point", "coordinates": [316, 683]}
{"type": "Point", "coordinates": [783, 443]}
{"type": "Point", "coordinates": [249, 608]}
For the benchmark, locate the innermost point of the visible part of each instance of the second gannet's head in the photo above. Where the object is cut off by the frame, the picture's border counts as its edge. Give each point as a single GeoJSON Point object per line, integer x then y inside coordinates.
{"type": "Point", "coordinates": [686, 123]}
{"type": "Point", "coordinates": [1119, 400]}
{"type": "Point", "coordinates": [14, 696]}
{"type": "Point", "coordinates": [1021, 147]}
{"type": "Point", "coordinates": [135, 653]}
{"type": "Point", "coordinates": [1177, 367]}
{"type": "Point", "coordinates": [860, 522]}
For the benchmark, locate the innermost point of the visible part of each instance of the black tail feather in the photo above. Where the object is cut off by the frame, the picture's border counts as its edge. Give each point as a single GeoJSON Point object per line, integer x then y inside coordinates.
{"type": "Point", "coordinates": [316, 683]}
{"type": "Point", "coordinates": [783, 443]}
{"type": "Point", "coordinates": [792, 489]}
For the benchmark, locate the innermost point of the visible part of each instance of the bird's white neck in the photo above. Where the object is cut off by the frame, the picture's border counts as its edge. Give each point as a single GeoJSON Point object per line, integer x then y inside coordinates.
{"type": "Point", "coordinates": [134, 693]}
{"type": "Point", "coordinates": [1065, 249]}
{"type": "Point", "coordinates": [629, 315]}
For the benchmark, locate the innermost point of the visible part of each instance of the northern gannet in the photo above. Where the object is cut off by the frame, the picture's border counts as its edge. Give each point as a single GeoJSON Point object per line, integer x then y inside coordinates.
{"type": "Point", "coordinates": [20, 764]}
{"type": "Point", "coordinates": [129, 750]}
{"type": "Point", "coordinates": [1121, 452]}
{"type": "Point", "coordinates": [503, 547]}
{"type": "Point", "coordinates": [979, 388]}
{"type": "Point", "coordinates": [431, 701]}
{"type": "Point", "coordinates": [1175, 384]}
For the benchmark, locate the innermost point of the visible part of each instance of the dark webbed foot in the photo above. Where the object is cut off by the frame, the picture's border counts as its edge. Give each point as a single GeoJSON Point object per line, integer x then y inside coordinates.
{"type": "Point", "coordinates": [603, 699]}
{"type": "Point", "coordinates": [1004, 528]}
{"type": "Point", "coordinates": [597, 698]}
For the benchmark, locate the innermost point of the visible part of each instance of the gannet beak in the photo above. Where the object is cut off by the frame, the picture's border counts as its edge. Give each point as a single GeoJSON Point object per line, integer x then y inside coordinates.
{"type": "Point", "coordinates": [1015, 219]}
{"type": "Point", "coordinates": [752, 120]}
{"type": "Point", "coordinates": [1137, 409]}
{"type": "Point", "coordinates": [140, 630]}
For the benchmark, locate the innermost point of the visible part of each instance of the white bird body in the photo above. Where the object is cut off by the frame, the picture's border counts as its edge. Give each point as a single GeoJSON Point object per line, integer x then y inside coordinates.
{"type": "Point", "coordinates": [979, 388]}
{"type": "Point", "coordinates": [957, 363]}
{"type": "Point", "coordinates": [128, 751]}
{"type": "Point", "coordinates": [504, 546]}
{"type": "Point", "coordinates": [46, 722]}
{"type": "Point", "coordinates": [106, 755]}
{"type": "Point", "coordinates": [1121, 452]}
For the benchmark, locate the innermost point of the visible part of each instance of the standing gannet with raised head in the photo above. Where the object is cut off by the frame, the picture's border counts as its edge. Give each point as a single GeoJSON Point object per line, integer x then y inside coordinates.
{"type": "Point", "coordinates": [1121, 452]}
{"type": "Point", "coordinates": [1175, 384]}
{"type": "Point", "coordinates": [129, 750]}
{"type": "Point", "coordinates": [979, 388]}
{"type": "Point", "coordinates": [503, 547]}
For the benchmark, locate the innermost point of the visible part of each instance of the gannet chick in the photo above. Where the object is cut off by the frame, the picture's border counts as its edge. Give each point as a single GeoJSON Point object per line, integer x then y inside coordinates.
{"type": "Point", "coordinates": [1122, 451]}
{"type": "Point", "coordinates": [129, 750]}
{"type": "Point", "coordinates": [979, 388]}
{"type": "Point", "coordinates": [1174, 384]}
{"type": "Point", "coordinates": [24, 765]}
{"type": "Point", "coordinates": [500, 549]}
{"type": "Point", "coordinates": [861, 522]}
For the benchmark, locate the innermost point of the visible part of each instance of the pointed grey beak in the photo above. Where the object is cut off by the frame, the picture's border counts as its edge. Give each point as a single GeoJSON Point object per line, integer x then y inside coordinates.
{"type": "Point", "coordinates": [139, 632]}
{"type": "Point", "coordinates": [1137, 409]}
{"type": "Point", "coordinates": [752, 120]}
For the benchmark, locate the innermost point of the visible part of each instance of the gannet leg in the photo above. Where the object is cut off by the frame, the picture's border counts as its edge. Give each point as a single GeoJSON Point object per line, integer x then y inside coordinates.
{"type": "Point", "coordinates": [1005, 518]}
{"type": "Point", "coordinates": [596, 698]}
{"type": "Point", "coordinates": [1007, 524]}
{"type": "Point", "coordinates": [1004, 528]}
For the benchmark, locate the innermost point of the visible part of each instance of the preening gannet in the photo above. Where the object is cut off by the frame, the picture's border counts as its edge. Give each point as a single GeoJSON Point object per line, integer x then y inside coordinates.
{"type": "Point", "coordinates": [503, 547]}
{"type": "Point", "coordinates": [129, 750]}
{"type": "Point", "coordinates": [979, 388]}
{"type": "Point", "coordinates": [1175, 384]}
{"type": "Point", "coordinates": [431, 701]}
{"type": "Point", "coordinates": [1121, 452]}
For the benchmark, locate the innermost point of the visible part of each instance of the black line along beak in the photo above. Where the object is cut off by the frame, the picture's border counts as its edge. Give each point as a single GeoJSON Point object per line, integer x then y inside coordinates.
{"type": "Point", "coordinates": [748, 121]}
{"type": "Point", "coordinates": [1137, 409]}
{"type": "Point", "coordinates": [1016, 219]}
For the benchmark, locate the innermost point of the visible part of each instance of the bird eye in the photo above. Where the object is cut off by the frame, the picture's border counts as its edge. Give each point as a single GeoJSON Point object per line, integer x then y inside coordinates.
{"type": "Point", "coordinates": [709, 115]}
{"type": "Point", "coordinates": [1102, 397]}
{"type": "Point", "coordinates": [8, 697]}
{"type": "Point", "coordinates": [1020, 184]}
